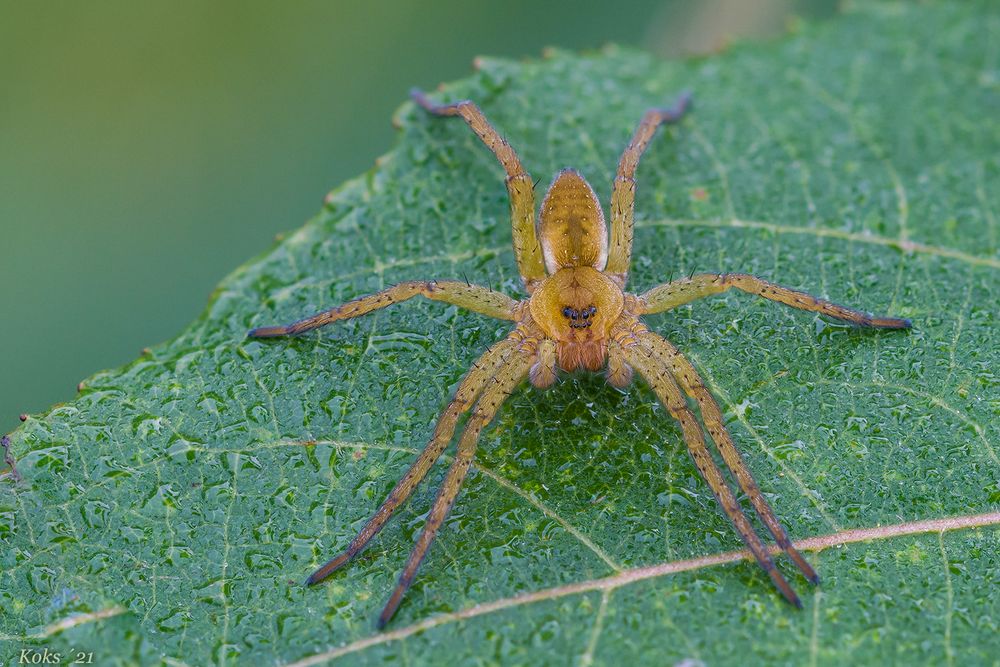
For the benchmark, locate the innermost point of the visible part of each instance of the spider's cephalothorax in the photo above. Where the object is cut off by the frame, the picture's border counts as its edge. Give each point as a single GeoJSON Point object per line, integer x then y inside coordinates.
{"type": "Point", "coordinates": [577, 316]}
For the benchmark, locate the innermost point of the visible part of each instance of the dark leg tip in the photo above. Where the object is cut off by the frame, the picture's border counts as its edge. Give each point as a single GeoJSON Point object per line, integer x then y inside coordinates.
{"type": "Point", "coordinates": [814, 580]}
{"type": "Point", "coordinates": [267, 332]}
{"type": "Point", "coordinates": [318, 576]}
{"type": "Point", "coordinates": [907, 323]}
{"type": "Point", "coordinates": [418, 96]}
{"type": "Point", "coordinates": [381, 623]}
{"type": "Point", "coordinates": [791, 597]}
{"type": "Point", "coordinates": [681, 106]}
{"type": "Point", "coordinates": [331, 566]}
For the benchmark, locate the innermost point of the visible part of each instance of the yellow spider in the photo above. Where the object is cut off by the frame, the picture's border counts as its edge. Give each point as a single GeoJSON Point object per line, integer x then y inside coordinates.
{"type": "Point", "coordinates": [577, 316]}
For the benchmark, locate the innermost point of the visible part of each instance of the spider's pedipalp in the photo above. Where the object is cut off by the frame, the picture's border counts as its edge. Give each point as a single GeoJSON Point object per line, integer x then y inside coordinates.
{"type": "Point", "coordinates": [623, 195]}
{"type": "Point", "coordinates": [520, 187]}
{"type": "Point", "coordinates": [506, 379]}
{"type": "Point", "coordinates": [543, 372]}
{"type": "Point", "coordinates": [618, 373]}
{"type": "Point", "coordinates": [474, 383]}
{"type": "Point", "coordinates": [687, 376]}
{"type": "Point", "coordinates": [679, 292]}
{"type": "Point", "coordinates": [476, 298]}
{"type": "Point", "coordinates": [665, 387]}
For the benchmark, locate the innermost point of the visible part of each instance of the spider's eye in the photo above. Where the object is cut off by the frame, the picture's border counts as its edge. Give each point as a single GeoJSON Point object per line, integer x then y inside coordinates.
{"type": "Point", "coordinates": [567, 312]}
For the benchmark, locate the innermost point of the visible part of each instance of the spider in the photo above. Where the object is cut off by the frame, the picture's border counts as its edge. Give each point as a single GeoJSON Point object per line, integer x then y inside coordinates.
{"type": "Point", "coordinates": [577, 316]}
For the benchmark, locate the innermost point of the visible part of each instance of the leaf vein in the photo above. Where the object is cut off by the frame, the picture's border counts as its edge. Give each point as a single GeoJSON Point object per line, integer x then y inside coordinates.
{"type": "Point", "coordinates": [634, 575]}
{"type": "Point", "coordinates": [858, 237]}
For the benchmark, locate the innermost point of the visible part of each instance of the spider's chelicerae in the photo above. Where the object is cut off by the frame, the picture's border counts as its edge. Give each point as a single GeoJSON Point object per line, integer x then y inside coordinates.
{"type": "Point", "coordinates": [577, 316]}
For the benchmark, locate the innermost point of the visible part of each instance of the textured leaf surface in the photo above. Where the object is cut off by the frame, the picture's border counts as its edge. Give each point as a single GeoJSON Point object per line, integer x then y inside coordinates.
{"type": "Point", "coordinates": [172, 510]}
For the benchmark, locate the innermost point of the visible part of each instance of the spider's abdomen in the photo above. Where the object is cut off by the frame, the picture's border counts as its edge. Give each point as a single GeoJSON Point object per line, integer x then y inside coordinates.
{"type": "Point", "coordinates": [571, 225]}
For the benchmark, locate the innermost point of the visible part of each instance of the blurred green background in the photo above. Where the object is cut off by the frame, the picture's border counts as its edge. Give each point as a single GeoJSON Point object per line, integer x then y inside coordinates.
{"type": "Point", "coordinates": [147, 149]}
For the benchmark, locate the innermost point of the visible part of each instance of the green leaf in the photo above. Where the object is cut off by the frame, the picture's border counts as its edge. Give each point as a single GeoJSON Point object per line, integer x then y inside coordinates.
{"type": "Point", "coordinates": [170, 512]}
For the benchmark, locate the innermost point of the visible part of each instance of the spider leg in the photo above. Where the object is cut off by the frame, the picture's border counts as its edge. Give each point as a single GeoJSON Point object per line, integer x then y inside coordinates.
{"type": "Point", "coordinates": [486, 408]}
{"type": "Point", "coordinates": [623, 195]}
{"type": "Point", "coordinates": [686, 374]}
{"type": "Point", "coordinates": [665, 387]}
{"type": "Point", "coordinates": [676, 293]}
{"type": "Point", "coordinates": [472, 297]}
{"type": "Point", "coordinates": [520, 187]}
{"type": "Point", "coordinates": [478, 377]}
